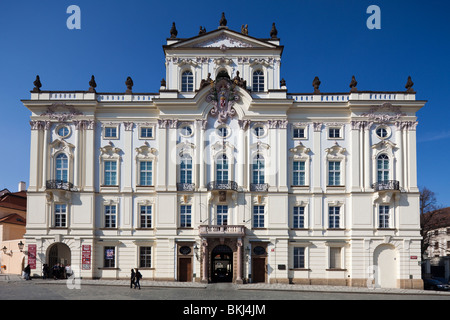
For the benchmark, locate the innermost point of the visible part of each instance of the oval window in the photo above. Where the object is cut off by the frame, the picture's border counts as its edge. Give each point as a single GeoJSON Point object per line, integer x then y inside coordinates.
{"type": "Point", "coordinates": [259, 250]}
{"type": "Point", "coordinates": [185, 250]}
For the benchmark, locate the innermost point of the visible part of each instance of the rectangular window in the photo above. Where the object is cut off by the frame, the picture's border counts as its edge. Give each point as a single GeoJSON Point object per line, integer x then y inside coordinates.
{"type": "Point", "coordinates": [258, 216]}
{"type": "Point", "coordinates": [110, 216]}
{"type": "Point", "coordinates": [299, 173]}
{"type": "Point", "coordinates": [146, 216]}
{"type": "Point", "coordinates": [335, 258]}
{"type": "Point", "coordinates": [145, 257]}
{"type": "Point", "coordinates": [334, 217]}
{"type": "Point", "coordinates": [334, 173]}
{"type": "Point", "coordinates": [299, 217]}
{"type": "Point", "coordinates": [334, 133]}
{"type": "Point", "coordinates": [109, 257]}
{"type": "Point", "coordinates": [185, 216]}
{"type": "Point", "coordinates": [145, 173]}
{"type": "Point", "coordinates": [146, 132]}
{"type": "Point", "coordinates": [110, 173]}
{"type": "Point", "coordinates": [383, 217]}
{"type": "Point", "coordinates": [222, 215]}
{"type": "Point", "coordinates": [299, 258]}
{"type": "Point", "coordinates": [60, 215]}
{"type": "Point", "coordinates": [111, 132]}
{"type": "Point", "coordinates": [298, 133]}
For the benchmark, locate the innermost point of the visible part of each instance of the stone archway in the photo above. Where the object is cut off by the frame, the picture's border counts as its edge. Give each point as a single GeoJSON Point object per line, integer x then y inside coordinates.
{"type": "Point", "coordinates": [222, 264]}
{"type": "Point", "coordinates": [58, 255]}
{"type": "Point", "coordinates": [385, 258]}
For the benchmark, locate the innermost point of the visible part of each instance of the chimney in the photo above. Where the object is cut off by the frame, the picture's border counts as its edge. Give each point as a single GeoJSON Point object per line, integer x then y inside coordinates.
{"type": "Point", "coordinates": [22, 186]}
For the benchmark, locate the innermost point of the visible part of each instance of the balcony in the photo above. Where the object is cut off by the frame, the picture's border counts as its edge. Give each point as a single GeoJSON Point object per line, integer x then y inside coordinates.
{"type": "Point", "coordinates": [60, 185]}
{"type": "Point", "coordinates": [259, 187]}
{"type": "Point", "coordinates": [222, 231]}
{"type": "Point", "coordinates": [185, 186]}
{"type": "Point", "coordinates": [223, 185]}
{"type": "Point", "coordinates": [387, 185]}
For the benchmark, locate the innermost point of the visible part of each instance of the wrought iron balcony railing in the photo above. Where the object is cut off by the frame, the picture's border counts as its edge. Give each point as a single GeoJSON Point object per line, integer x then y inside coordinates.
{"type": "Point", "coordinates": [60, 185]}
{"type": "Point", "coordinates": [185, 186]}
{"type": "Point", "coordinates": [259, 187]}
{"type": "Point", "coordinates": [222, 185]}
{"type": "Point", "coordinates": [386, 185]}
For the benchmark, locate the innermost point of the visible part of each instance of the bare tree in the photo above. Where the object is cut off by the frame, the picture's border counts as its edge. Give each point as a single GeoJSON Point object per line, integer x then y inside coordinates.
{"type": "Point", "coordinates": [429, 210]}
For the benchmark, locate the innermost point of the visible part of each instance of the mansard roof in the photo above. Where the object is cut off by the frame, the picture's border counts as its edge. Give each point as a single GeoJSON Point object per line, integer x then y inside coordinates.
{"type": "Point", "coordinates": [221, 37]}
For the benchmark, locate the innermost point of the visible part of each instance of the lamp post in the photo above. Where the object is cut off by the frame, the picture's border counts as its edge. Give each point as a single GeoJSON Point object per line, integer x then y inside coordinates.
{"type": "Point", "coordinates": [21, 245]}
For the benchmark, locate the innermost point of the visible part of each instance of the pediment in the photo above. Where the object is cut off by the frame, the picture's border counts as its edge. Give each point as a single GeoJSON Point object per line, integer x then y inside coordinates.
{"type": "Point", "coordinates": [223, 39]}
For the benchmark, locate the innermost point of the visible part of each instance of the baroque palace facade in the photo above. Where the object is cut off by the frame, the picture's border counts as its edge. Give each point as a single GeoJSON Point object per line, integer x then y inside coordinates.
{"type": "Point", "coordinates": [225, 176]}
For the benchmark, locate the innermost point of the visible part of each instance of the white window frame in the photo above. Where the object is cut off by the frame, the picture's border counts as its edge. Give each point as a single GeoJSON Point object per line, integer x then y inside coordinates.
{"type": "Point", "coordinates": [300, 153]}
{"type": "Point", "coordinates": [146, 214]}
{"type": "Point", "coordinates": [139, 163]}
{"type": "Point", "coordinates": [382, 207]}
{"type": "Point", "coordinates": [222, 215]}
{"type": "Point", "coordinates": [106, 126]}
{"type": "Point", "coordinates": [185, 214]}
{"type": "Point", "coordinates": [258, 172]}
{"type": "Point", "coordinates": [139, 256]}
{"type": "Point", "coordinates": [264, 78]}
{"type": "Point", "coordinates": [65, 215]}
{"type": "Point", "coordinates": [305, 249]}
{"type": "Point", "coordinates": [339, 129]}
{"type": "Point", "coordinates": [145, 153]}
{"type": "Point", "coordinates": [115, 215]}
{"type": "Point", "coordinates": [109, 153]}
{"type": "Point", "coordinates": [256, 216]}
{"type": "Point", "coordinates": [182, 71]}
{"type": "Point", "coordinates": [147, 126]}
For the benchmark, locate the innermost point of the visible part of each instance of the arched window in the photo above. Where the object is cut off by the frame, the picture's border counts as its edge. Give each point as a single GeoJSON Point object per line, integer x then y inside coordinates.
{"type": "Point", "coordinates": [258, 169]}
{"type": "Point", "coordinates": [383, 168]}
{"type": "Point", "coordinates": [62, 168]}
{"type": "Point", "coordinates": [258, 81]}
{"type": "Point", "coordinates": [222, 168]}
{"type": "Point", "coordinates": [186, 169]}
{"type": "Point", "coordinates": [187, 81]}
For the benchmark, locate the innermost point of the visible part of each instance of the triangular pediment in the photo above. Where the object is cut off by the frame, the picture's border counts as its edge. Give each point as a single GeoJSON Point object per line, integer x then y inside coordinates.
{"type": "Point", "coordinates": [223, 39]}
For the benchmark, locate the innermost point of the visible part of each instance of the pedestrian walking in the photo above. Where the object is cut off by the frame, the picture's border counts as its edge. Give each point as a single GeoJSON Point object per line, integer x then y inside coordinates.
{"type": "Point", "coordinates": [27, 271]}
{"type": "Point", "coordinates": [137, 279]}
{"type": "Point", "coordinates": [45, 271]}
{"type": "Point", "coordinates": [133, 277]}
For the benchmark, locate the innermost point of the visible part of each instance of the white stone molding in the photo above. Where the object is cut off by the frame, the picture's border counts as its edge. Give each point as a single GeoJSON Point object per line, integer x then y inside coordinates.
{"type": "Point", "coordinates": [336, 152]}
{"type": "Point", "coordinates": [52, 113]}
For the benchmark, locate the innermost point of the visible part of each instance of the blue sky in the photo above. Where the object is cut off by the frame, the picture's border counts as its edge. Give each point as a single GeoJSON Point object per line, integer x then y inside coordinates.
{"type": "Point", "coordinates": [326, 38]}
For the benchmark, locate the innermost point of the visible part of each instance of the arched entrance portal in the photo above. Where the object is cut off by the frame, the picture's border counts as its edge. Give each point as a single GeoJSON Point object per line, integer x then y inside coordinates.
{"type": "Point", "coordinates": [58, 253]}
{"type": "Point", "coordinates": [385, 258]}
{"type": "Point", "coordinates": [222, 264]}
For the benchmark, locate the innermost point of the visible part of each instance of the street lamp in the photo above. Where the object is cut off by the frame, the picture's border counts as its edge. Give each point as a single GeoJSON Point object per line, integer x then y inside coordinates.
{"type": "Point", "coordinates": [20, 245]}
{"type": "Point", "coordinates": [196, 250]}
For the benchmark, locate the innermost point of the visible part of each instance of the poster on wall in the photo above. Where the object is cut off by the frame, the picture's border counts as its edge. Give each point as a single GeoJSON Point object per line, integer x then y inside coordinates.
{"type": "Point", "coordinates": [86, 257]}
{"type": "Point", "coordinates": [32, 256]}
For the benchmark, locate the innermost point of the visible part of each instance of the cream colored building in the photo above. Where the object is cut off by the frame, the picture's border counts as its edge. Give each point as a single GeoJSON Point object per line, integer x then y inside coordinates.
{"type": "Point", "coordinates": [224, 175]}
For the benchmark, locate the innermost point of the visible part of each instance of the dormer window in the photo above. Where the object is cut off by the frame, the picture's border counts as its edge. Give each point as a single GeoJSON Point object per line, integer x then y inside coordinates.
{"type": "Point", "coordinates": [258, 81]}
{"type": "Point", "coordinates": [187, 81]}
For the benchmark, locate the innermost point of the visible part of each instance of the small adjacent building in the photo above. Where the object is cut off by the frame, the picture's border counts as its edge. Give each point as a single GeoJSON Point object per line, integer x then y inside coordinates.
{"type": "Point", "coordinates": [223, 174]}
{"type": "Point", "coordinates": [13, 206]}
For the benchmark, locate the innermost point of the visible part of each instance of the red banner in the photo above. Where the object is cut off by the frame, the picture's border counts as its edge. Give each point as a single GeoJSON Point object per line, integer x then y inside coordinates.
{"type": "Point", "coordinates": [32, 256]}
{"type": "Point", "coordinates": [86, 257]}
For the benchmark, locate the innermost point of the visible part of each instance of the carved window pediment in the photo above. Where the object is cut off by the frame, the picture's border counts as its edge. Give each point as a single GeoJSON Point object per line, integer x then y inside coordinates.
{"type": "Point", "coordinates": [336, 152]}
{"type": "Point", "coordinates": [109, 151]}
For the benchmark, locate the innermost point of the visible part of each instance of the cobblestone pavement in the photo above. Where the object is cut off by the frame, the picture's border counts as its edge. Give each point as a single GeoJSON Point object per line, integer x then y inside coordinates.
{"type": "Point", "coordinates": [258, 286]}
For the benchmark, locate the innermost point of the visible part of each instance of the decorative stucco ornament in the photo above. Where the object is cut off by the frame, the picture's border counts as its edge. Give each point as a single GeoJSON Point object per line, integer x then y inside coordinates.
{"type": "Point", "coordinates": [223, 95]}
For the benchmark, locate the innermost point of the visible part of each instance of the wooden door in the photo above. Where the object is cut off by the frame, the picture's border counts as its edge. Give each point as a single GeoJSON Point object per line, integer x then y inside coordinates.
{"type": "Point", "coordinates": [259, 270]}
{"type": "Point", "coordinates": [185, 270]}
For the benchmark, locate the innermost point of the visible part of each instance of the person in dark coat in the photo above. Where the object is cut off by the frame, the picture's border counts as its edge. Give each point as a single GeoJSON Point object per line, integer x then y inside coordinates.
{"type": "Point", "coordinates": [137, 279]}
{"type": "Point", "coordinates": [27, 271]}
{"type": "Point", "coordinates": [133, 277]}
